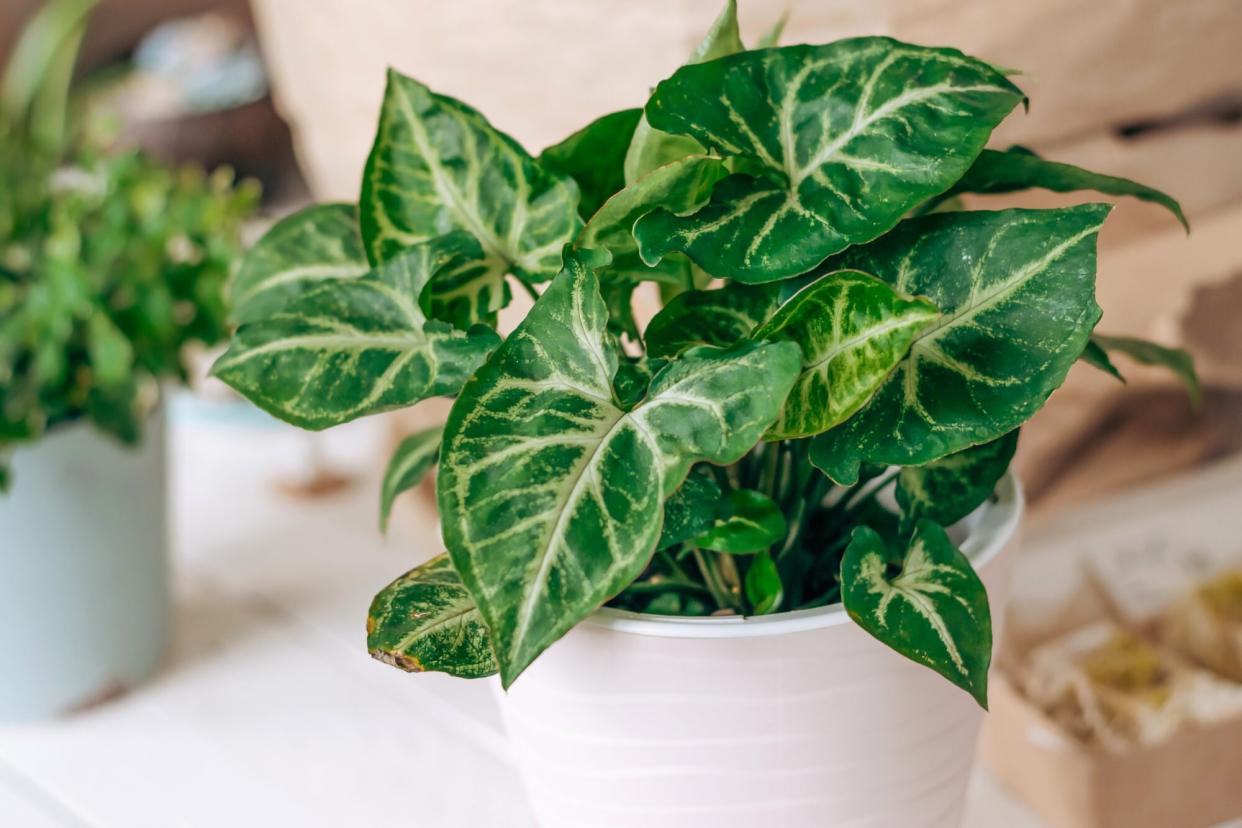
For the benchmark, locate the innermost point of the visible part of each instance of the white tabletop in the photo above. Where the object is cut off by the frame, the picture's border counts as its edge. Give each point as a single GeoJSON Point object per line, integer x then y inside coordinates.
{"type": "Point", "coordinates": [268, 711]}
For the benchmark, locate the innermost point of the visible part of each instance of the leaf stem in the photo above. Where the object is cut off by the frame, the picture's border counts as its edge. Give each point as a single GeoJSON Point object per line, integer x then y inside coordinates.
{"type": "Point", "coordinates": [712, 579]}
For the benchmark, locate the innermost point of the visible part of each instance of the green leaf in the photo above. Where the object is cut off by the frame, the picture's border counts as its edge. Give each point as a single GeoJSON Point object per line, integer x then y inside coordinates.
{"type": "Point", "coordinates": [1096, 356]}
{"type": "Point", "coordinates": [346, 348]}
{"type": "Point", "coordinates": [681, 185]}
{"type": "Point", "coordinates": [764, 589]}
{"type": "Point", "coordinates": [840, 140]}
{"type": "Point", "coordinates": [317, 243]}
{"type": "Point", "coordinates": [594, 156]}
{"type": "Point", "coordinates": [1020, 169]}
{"type": "Point", "coordinates": [409, 464]}
{"type": "Point", "coordinates": [949, 489]}
{"type": "Point", "coordinates": [35, 89]}
{"type": "Point", "coordinates": [110, 352]}
{"type": "Point", "coordinates": [1016, 289]}
{"type": "Point", "coordinates": [853, 330]}
{"type": "Point", "coordinates": [935, 612]}
{"type": "Point", "coordinates": [752, 522]}
{"type": "Point", "coordinates": [437, 165]}
{"type": "Point", "coordinates": [652, 148]}
{"type": "Point", "coordinates": [633, 378]}
{"type": "Point", "coordinates": [710, 317]}
{"type": "Point", "coordinates": [426, 620]}
{"type": "Point", "coordinates": [551, 494]}
{"type": "Point", "coordinates": [1144, 352]}
{"type": "Point", "coordinates": [692, 509]}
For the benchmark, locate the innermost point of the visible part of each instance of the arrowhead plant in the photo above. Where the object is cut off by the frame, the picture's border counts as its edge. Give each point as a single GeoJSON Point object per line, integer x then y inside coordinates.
{"type": "Point", "coordinates": [842, 361]}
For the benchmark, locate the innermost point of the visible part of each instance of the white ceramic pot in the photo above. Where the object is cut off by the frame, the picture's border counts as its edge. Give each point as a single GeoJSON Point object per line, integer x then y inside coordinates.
{"type": "Point", "coordinates": [84, 601]}
{"type": "Point", "coordinates": [796, 720]}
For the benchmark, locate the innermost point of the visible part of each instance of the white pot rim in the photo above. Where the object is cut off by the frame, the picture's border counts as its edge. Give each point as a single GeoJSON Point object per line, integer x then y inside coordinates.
{"type": "Point", "coordinates": [995, 524]}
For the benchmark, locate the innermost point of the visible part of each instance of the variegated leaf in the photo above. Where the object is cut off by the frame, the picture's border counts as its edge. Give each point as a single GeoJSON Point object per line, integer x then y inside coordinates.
{"type": "Point", "coordinates": [1020, 169]}
{"type": "Point", "coordinates": [650, 148]}
{"type": "Point", "coordinates": [710, 317]}
{"type": "Point", "coordinates": [840, 141]}
{"type": "Point", "coordinates": [317, 243]}
{"type": "Point", "coordinates": [1146, 352]}
{"type": "Point", "coordinates": [949, 489]}
{"type": "Point", "coordinates": [346, 348]}
{"type": "Point", "coordinates": [551, 494]}
{"type": "Point", "coordinates": [437, 165]}
{"type": "Point", "coordinates": [594, 156]}
{"type": "Point", "coordinates": [426, 620]}
{"type": "Point", "coordinates": [680, 186]}
{"type": "Point", "coordinates": [934, 612]}
{"type": "Point", "coordinates": [414, 457]}
{"type": "Point", "coordinates": [853, 329]}
{"type": "Point", "coordinates": [1016, 290]}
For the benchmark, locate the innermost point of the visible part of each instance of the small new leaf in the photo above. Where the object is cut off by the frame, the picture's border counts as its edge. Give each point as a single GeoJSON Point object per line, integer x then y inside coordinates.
{"type": "Point", "coordinates": [935, 611]}
{"type": "Point", "coordinates": [409, 464]}
{"type": "Point", "coordinates": [853, 330]}
{"type": "Point", "coordinates": [346, 348]}
{"type": "Point", "coordinates": [692, 509]}
{"type": "Point", "coordinates": [751, 522]}
{"type": "Point", "coordinates": [764, 589]}
{"type": "Point", "coordinates": [426, 621]}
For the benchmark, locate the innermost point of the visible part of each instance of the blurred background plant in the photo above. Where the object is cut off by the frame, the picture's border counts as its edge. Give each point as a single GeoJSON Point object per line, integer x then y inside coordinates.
{"type": "Point", "coordinates": [110, 262]}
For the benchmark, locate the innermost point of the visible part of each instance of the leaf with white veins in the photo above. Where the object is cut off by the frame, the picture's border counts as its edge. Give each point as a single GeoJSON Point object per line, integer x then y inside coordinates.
{"type": "Point", "coordinates": [426, 621]}
{"type": "Point", "coordinates": [1016, 290]}
{"type": "Point", "coordinates": [652, 148]}
{"type": "Point", "coordinates": [437, 165]}
{"type": "Point", "coordinates": [408, 465]}
{"type": "Point", "coordinates": [935, 612]}
{"type": "Point", "coordinates": [346, 348]}
{"type": "Point", "coordinates": [721, 317]}
{"type": "Point", "coordinates": [949, 489]}
{"type": "Point", "coordinates": [317, 243]}
{"type": "Point", "coordinates": [552, 494]}
{"type": "Point", "coordinates": [853, 329]}
{"type": "Point", "coordinates": [840, 141]}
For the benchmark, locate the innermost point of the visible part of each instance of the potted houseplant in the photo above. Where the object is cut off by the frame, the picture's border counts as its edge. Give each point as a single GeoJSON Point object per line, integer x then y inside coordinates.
{"type": "Point", "coordinates": [677, 543]}
{"type": "Point", "coordinates": [109, 264]}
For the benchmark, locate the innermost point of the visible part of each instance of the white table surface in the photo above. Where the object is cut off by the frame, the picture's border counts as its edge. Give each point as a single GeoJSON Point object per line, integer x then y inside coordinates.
{"type": "Point", "coordinates": [268, 711]}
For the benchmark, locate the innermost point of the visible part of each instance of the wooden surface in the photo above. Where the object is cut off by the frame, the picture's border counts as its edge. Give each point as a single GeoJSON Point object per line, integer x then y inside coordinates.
{"type": "Point", "coordinates": [269, 712]}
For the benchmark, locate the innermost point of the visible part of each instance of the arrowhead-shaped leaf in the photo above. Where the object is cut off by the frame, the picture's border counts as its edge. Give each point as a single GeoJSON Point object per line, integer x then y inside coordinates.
{"type": "Point", "coordinates": [551, 493]}
{"type": "Point", "coordinates": [408, 465]}
{"type": "Point", "coordinates": [853, 329]}
{"type": "Point", "coordinates": [437, 165]}
{"type": "Point", "coordinates": [650, 148]}
{"type": "Point", "coordinates": [317, 243]}
{"type": "Point", "coordinates": [594, 156]}
{"type": "Point", "coordinates": [752, 521]}
{"type": "Point", "coordinates": [346, 348]}
{"type": "Point", "coordinates": [1020, 169]}
{"type": "Point", "coordinates": [426, 620]}
{"type": "Point", "coordinates": [840, 142]}
{"type": "Point", "coordinates": [1016, 290]}
{"type": "Point", "coordinates": [710, 317]}
{"type": "Point", "coordinates": [934, 612]}
{"type": "Point", "coordinates": [1146, 352]}
{"type": "Point", "coordinates": [949, 489]}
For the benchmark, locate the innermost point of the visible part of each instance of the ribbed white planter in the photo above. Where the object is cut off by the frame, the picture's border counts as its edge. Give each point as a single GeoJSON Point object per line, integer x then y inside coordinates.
{"type": "Point", "coordinates": [796, 720]}
{"type": "Point", "coordinates": [84, 601]}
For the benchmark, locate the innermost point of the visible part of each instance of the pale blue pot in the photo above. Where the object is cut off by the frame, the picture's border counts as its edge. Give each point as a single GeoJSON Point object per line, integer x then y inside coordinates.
{"type": "Point", "coordinates": [84, 599]}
